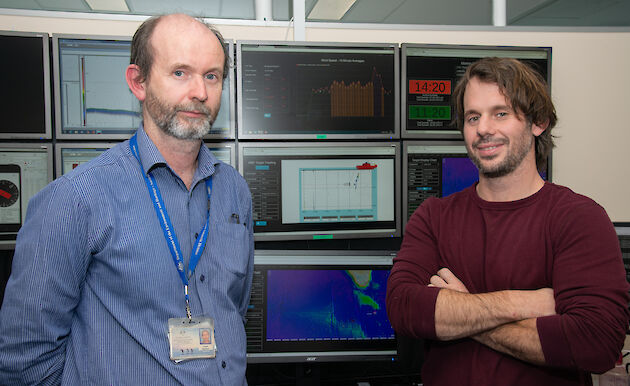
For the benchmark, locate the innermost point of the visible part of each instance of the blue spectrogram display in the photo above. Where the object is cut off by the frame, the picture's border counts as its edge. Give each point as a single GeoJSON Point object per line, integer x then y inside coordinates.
{"type": "Point", "coordinates": [314, 305]}
{"type": "Point", "coordinates": [458, 173]}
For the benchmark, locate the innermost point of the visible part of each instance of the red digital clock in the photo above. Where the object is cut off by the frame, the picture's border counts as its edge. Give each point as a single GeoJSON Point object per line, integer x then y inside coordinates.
{"type": "Point", "coordinates": [430, 87]}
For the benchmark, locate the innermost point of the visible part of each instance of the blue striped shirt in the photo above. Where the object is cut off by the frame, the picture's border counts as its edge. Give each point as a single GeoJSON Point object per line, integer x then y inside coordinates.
{"type": "Point", "coordinates": [93, 283]}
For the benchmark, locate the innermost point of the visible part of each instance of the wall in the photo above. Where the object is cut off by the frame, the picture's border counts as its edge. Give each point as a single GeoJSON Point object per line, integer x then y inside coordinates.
{"type": "Point", "coordinates": [590, 79]}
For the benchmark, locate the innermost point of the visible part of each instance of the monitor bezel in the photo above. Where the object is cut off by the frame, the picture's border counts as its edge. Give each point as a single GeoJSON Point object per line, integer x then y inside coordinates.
{"type": "Point", "coordinates": [309, 258]}
{"type": "Point", "coordinates": [47, 88]}
{"type": "Point", "coordinates": [450, 134]}
{"type": "Point", "coordinates": [337, 234]}
{"type": "Point", "coordinates": [59, 146]}
{"type": "Point", "coordinates": [232, 88]}
{"type": "Point", "coordinates": [95, 137]}
{"type": "Point", "coordinates": [10, 244]}
{"type": "Point", "coordinates": [322, 136]}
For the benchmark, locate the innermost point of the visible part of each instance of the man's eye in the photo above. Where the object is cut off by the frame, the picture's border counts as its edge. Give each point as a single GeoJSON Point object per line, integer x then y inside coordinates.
{"type": "Point", "coordinates": [178, 73]}
{"type": "Point", "coordinates": [472, 119]}
{"type": "Point", "coordinates": [502, 114]}
{"type": "Point", "coordinates": [211, 76]}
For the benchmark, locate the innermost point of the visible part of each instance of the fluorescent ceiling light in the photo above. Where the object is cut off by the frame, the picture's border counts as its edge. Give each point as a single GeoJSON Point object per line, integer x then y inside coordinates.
{"type": "Point", "coordinates": [330, 9]}
{"type": "Point", "coordinates": [108, 5]}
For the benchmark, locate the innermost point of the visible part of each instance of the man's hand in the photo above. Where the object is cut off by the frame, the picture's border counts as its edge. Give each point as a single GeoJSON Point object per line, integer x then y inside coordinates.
{"type": "Point", "coordinates": [446, 279]}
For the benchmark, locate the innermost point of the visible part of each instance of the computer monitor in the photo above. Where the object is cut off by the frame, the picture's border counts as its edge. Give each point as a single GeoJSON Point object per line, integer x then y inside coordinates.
{"type": "Point", "coordinates": [92, 98]}
{"type": "Point", "coordinates": [25, 78]}
{"type": "Point", "coordinates": [322, 190]}
{"type": "Point", "coordinates": [430, 74]}
{"type": "Point", "coordinates": [70, 155]}
{"type": "Point", "coordinates": [438, 169]}
{"type": "Point", "coordinates": [434, 169]}
{"type": "Point", "coordinates": [25, 168]}
{"type": "Point", "coordinates": [623, 233]}
{"type": "Point", "coordinates": [224, 151]}
{"type": "Point", "coordinates": [297, 90]}
{"type": "Point", "coordinates": [319, 306]}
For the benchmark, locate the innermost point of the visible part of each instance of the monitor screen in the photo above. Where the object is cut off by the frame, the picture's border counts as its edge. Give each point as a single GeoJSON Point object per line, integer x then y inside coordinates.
{"type": "Point", "coordinates": [70, 155]}
{"type": "Point", "coordinates": [24, 170]}
{"type": "Point", "coordinates": [310, 306]}
{"type": "Point", "coordinates": [322, 190]}
{"type": "Point", "coordinates": [623, 233]}
{"type": "Point", "coordinates": [25, 102]}
{"type": "Point", "coordinates": [317, 90]}
{"type": "Point", "coordinates": [437, 169]}
{"type": "Point", "coordinates": [92, 99]}
{"type": "Point", "coordinates": [434, 169]}
{"type": "Point", "coordinates": [430, 74]}
{"type": "Point", "coordinates": [224, 151]}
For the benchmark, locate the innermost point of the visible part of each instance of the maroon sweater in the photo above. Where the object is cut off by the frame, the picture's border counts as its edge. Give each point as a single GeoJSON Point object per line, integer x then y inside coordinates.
{"type": "Point", "coordinates": [555, 238]}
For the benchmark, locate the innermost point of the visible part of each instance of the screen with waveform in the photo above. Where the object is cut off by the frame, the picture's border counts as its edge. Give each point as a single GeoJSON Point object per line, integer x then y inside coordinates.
{"type": "Point", "coordinates": [319, 304]}
{"type": "Point", "coordinates": [322, 190]}
{"type": "Point", "coordinates": [293, 90]}
{"type": "Point", "coordinates": [430, 73]}
{"type": "Point", "coordinates": [92, 98]}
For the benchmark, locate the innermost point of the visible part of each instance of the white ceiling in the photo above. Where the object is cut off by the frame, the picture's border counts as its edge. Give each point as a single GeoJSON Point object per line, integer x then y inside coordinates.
{"type": "Point", "coordinates": [593, 13]}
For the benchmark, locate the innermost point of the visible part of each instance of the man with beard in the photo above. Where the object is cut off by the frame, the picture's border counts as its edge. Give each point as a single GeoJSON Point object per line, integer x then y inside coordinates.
{"type": "Point", "coordinates": [513, 281]}
{"type": "Point", "coordinates": [122, 262]}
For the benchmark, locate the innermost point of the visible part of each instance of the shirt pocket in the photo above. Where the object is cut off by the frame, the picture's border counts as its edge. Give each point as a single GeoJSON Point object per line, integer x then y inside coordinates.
{"type": "Point", "coordinates": [230, 245]}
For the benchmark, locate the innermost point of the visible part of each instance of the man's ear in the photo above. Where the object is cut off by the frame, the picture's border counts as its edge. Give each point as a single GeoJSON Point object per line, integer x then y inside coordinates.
{"type": "Point", "coordinates": [539, 128]}
{"type": "Point", "coordinates": [135, 82]}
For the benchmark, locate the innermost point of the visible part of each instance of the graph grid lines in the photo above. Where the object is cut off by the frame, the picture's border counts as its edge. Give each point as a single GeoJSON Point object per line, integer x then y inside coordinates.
{"type": "Point", "coordinates": [338, 194]}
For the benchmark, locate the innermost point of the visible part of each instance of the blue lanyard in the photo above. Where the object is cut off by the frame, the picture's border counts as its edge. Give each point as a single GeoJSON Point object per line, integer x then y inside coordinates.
{"type": "Point", "coordinates": [167, 226]}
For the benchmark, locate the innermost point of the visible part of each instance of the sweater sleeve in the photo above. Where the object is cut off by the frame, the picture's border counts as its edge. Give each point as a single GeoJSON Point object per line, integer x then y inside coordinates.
{"type": "Point", "coordinates": [590, 289]}
{"type": "Point", "coordinates": [410, 303]}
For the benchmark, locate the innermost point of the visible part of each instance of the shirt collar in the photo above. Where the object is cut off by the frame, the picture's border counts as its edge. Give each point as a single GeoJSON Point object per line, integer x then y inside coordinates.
{"type": "Point", "coordinates": [151, 157]}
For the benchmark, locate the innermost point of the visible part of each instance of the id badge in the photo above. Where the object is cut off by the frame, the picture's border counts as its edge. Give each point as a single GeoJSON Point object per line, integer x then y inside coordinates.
{"type": "Point", "coordinates": [191, 338]}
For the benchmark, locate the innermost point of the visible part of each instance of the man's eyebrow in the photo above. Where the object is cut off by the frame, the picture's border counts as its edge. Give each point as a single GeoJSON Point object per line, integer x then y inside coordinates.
{"type": "Point", "coordinates": [470, 111]}
{"type": "Point", "coordinates": [493, 108]}
{"type": "Point", "coordinates": [185, 66]}
{"type": "Point", "coordinates": [181, 65]}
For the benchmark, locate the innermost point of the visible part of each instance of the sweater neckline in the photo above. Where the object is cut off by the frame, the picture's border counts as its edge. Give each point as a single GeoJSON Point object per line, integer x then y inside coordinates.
{"type": "Point", "coordinates": [506, 205]}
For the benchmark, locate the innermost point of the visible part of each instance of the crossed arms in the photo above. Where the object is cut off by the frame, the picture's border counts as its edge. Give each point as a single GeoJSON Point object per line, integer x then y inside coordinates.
{"type": "Point", "coordinates": [580, 324]}
{"type": "Point", "coordinates": [504, 320]}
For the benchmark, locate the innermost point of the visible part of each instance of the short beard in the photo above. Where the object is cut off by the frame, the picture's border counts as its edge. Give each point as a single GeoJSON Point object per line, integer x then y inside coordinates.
{"type": "Point", "coordinates": [165, 117]}
{"type": "Point", "coordinates": [511, 161]}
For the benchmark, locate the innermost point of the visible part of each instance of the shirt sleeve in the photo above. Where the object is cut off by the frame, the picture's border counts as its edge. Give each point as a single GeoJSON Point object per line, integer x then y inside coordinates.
{"type": "Point", "coordinates": [410, 303]}
{"type": "Point", "coordinates": [48, 271]}
{"type": "Point", "coordinates": [591, 292]}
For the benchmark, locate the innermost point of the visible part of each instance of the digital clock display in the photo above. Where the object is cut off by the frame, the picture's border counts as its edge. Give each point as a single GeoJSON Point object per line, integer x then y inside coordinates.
{"type": "Point", "coordinates": [430, 112]}
{"type": "Point", "coordinates": [430, 87]}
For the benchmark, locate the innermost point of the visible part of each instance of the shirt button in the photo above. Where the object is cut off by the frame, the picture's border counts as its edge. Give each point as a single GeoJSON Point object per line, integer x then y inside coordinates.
{"type": "Point", "coordinates": [202, 278]}
{"type": "Point", "coordinates": [223, 364]}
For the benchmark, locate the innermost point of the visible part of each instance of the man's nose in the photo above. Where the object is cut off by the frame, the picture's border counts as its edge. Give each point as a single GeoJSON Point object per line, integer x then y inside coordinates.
{"type": "Point", "coordinates": [198, 89]}
{"type": "Point", "coordinates": [485, 126]}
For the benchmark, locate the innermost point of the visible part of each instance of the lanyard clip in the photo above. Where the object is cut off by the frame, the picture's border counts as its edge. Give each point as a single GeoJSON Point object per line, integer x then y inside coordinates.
{"type": "Point", "coordinates": [188, 313]}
